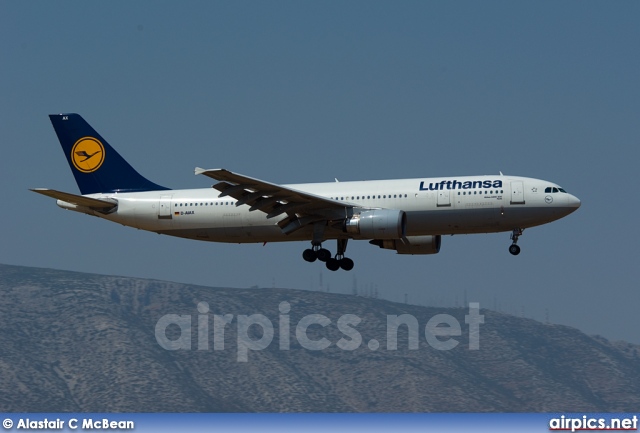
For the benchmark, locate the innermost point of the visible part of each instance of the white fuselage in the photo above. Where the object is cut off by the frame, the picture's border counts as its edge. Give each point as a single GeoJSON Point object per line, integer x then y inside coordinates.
{"type": "Point", "coordinates": [433, 206]}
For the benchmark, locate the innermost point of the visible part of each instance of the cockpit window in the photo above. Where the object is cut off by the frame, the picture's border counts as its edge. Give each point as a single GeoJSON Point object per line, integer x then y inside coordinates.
{"type": "Point", "coordinates": [554, 189]}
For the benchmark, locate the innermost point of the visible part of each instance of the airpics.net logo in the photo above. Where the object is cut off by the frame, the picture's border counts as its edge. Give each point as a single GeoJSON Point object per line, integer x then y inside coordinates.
{"type": "Point", "coordinates": [256, 332]}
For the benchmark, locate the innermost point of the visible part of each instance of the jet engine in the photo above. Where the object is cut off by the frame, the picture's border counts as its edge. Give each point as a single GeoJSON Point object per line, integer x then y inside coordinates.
{"type": "Point", "coordinates": [377, 224]}
{"type": "Point", "coordinates": [411, 244]}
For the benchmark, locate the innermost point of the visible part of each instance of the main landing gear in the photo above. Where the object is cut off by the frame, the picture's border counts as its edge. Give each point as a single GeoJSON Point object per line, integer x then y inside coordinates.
{"type": "Point", "coordinates": [514, 248]}
{"type": "Point", "coordinates": [316, 252]}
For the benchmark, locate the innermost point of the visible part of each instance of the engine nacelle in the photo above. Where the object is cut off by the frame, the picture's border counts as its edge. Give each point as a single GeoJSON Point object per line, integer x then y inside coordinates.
{"type": "Point", "coordinates": [411, 244]}
{"type": "Point", "coordinates": [377, 224]}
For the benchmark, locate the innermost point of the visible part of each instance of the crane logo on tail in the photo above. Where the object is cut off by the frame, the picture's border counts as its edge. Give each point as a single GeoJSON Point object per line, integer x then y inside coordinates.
{"type": "Point", "coordinates": [87, 154]}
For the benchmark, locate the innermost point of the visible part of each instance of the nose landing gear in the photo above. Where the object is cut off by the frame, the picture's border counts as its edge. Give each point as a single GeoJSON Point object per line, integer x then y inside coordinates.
{"type": "Point", "coordinates": [514, 248]}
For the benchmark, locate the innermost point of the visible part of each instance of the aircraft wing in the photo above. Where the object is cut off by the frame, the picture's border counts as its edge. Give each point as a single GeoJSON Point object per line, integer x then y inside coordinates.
{"type": "Point", "coordinates": [274, 199]}
{"type": "Point", "coordinates": [102, 205]}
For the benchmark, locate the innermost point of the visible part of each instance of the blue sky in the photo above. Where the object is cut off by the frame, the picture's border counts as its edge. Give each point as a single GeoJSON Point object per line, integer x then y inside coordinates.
{"type": "Point", "coordinates": [308, 91]}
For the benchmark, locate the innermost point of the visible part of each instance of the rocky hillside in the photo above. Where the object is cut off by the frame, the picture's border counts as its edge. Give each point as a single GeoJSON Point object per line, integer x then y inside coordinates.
{"type": "Point", "coordinates": [84, 342]}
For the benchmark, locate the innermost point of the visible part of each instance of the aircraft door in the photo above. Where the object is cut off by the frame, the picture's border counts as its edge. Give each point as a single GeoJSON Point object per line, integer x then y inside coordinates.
{"type": "Point", "coordinates": [232, 224]}
{"type": "Point", "coordinates": [164, 207]}
{"type": "Point", "coordinates": [517, 192]}
{"type": "Point", "coordinates": [444, 197]}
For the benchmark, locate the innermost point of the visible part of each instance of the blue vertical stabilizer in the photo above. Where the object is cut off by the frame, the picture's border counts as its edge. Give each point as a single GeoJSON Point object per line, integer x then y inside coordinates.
{"type": "Point", "coordinates": [96, 166]}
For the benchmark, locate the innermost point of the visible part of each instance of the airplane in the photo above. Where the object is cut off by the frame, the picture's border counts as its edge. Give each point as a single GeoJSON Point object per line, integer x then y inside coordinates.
{"type": "Point", "coordinates": [409, 216]}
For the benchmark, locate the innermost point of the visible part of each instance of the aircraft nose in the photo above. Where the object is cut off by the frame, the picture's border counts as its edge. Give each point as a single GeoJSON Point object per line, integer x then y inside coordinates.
{"type": "Point", "coordinates": [573, 201]}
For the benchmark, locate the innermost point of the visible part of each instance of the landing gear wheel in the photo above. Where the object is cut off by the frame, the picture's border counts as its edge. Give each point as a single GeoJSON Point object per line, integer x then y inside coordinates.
{"type": "Point", "coordinates": [333, 264]}
{"type": "Point", "coordinates": [346, 264]}
{"type": "Point", "coordinates": [515, 234]}
{"type": "Point", "coordinates": [309, 255]}
{"type": "Point", "coordinates": [323, 254]}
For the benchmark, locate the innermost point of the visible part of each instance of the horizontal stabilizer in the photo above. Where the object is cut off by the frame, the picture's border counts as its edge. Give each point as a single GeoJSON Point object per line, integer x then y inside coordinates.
{"type": "Point", "coordinates": [102, 205]}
